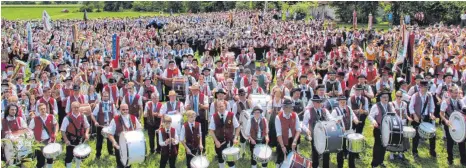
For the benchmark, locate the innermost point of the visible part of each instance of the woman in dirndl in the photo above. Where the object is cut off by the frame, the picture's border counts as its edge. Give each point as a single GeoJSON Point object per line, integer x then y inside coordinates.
{"type": "Point", "coordinates": [401, 110]}
{"type": "Point", "coordinates": [273, 107]}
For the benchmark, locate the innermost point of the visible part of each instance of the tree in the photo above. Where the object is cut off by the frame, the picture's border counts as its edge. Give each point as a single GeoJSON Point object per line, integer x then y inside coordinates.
{"type": "Point", "coordinates": [193, 6]}
{"type": "Point", "coordinates": [98, 5]}
{"type": "Point", "coordinates": [176, 6]}
{"type": "Point", "coordinates": [117, 5]}
{"type": "Point", "coordinates": [344, 10]}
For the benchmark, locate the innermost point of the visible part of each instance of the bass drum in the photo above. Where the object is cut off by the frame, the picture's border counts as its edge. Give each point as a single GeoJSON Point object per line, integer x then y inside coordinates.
{"type": "Point", "coordinates": [328, 137]}
{"type": "Point", "coordinates": [245, 121]}
{"type": "Point", "coordinates": [392, 130]}
{"type": "Point", "coordinates": [294, 160]}
{"type": "Point", "coordinates": [458, 126]}
{"type": "Point", "coordinates": [132, 147]}
{"type": "Point", "coordinates": [177, 121]}
{"type": "Point", "coordinates": [260, 99]}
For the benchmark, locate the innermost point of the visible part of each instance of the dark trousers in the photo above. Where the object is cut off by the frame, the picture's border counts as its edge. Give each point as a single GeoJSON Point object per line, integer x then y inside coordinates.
{"type": "Point", "coordinates": [204, 129]}
{"type": "Point", "coordinates": [360, 126]}
{"type": "Point", "coordinates": [220, 156]}
{"type": "Point", "coordinates": [280, 155]}
{"type": "Point", "coordinates": [190, 157]}
{"type": "Point", "coordinates": [251, 148]}
{"type": "Point", "coordinates": [168, 158]}
{"type": "Point", "coordinates": [378, 151]}
{"type": "Point", "coordinates": [41, 159]}
{"type": "Point", "coordinates": [344, 152]}
{"type": "Point", "coordinates": [152, 138]}
{"type": "Point", "coordinates": [100, 141]}
{"type": "Point", "coordinates": [117, 155]}
{"type": "Point", "coordinates": [69, 154]}
{"type": "Point", "coordinates": [315, 157]}
{"type": "Point", "coordinates": [416, 138]}
{"type": "Point", "coordinates": [450, 144]}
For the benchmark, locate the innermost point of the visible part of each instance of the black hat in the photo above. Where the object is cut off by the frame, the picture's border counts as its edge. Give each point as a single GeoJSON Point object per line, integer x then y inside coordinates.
{"type": "Point", "coordinates": [76, 87]}
{"type": "Point", "coordinates": [370, 62]}
{"type": "Point", "coordinates": [111, 80]}
{"type": "Point", "coordinates": [401, 81]}
{"type": "Point", "coordinates": [205, 69]}
{"type": "Point", "coordinates": [125, 80]}
{"type": "Point", "coordinates": [30, 79]}
{"type": "Point", "coordinates": [448, 74]}
{"type": "Point", "coordinates": [341, 98]}
{"type": "Point", "coordinates": [384, 92]}
{"type": "Point", "coordinates": [429, 74]}
{"type": "Point", "coordinates": [220, 91]}
{"type": "Point", "coordinates": [257, 108]}
{"type": "Point", "coordinates": [359, 87]}
{"type": "Point", "coordinates": [61, 71]}
{"type": "Point", "coordinates": [424, 83]}
{"type": "Point", "coordinates": [83, 60]}
{"type": "Point", "coordinates": [241, 91]}
{"type": "Point", "coordinates": [341, 73]}
{"type": "Point", "coordinates": [419, 76]}
{"type": "Point", "coordinates": [105, 65]}
{"type": "Point", "coordinates": [295, 90]}
{"type": "Point", "coordinates": [362, 76]}
{"type": "Point", "coordinates": [287, 102]}
{"type": "Point", "coordinates": [68, 78]}
{"type": "Point", "coordinates": [147, 78]}
{"type": "Point", "coordinates": [320, 86]}
{"type": "Point", "coordinates": [171, 61]}
{"type": "Point", "coordinates": [317, 99]}
{"type": "Point", "coordinates": [332, 73]}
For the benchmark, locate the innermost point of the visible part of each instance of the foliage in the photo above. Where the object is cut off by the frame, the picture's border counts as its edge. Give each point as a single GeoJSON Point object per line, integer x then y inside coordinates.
{"type": "Point", "coordinates": [117, 6]}
{"type": "Point", "coordinates": [193, 6]}
{"type": "Point", "coordinates": [344, 10]}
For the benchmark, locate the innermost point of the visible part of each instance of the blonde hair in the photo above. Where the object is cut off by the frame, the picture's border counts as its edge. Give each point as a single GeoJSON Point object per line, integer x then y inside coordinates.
{"type": "Point", "coordinates": [167, 119]}
{"type": "Point", "coordinates": [190, 113]}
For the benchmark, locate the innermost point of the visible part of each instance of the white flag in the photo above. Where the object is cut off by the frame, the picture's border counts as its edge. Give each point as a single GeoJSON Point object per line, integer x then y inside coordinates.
{"type": "Point", "coordinates": [46, 20]}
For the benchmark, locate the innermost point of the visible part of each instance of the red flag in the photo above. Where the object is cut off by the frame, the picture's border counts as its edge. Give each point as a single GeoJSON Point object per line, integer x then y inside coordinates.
{"type": "Point", "coordinates": [116, 51]}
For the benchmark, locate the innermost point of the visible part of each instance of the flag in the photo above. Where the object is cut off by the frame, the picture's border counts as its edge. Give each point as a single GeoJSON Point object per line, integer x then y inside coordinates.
{"type": "Point", "coordinates": [29, 34]}
{"type": "Point", "coordinates": [75, 33]}
{"type": "Point", "coordinates": [85, 15]}
{"type": "Point", "coordinates": [115, 51]}
{"type": "Point", "coordinates": [46, 20]}
{"type": "Point", "coordinates": [370, 21]}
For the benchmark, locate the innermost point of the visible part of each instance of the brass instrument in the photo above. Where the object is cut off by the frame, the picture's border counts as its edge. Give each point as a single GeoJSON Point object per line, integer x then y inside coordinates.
{"type": "Point", "coordinates": [44, 63]}
{"type": "Point", "coordinates": [19, 64]}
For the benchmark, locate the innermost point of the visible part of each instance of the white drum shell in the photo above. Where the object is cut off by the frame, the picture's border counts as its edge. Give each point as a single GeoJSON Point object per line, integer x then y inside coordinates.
{"type": "Point", "coordinates": [231, 154]}
{"type": "Point", "coordinates": [82, 151]}
{"type": "Point", "coordinates": [245, 121]}
{"type": "Point", "coordinates": [105, 132]}
{"type": "Point", "coordinates": [132, 147]}
{"type": "Point", "coordinates": [409, 132]}
{"type": "Point", "coordinates": [260, 99]}
{"type": "Point", "coordinates": [52, 150]}
{"type": "Point", "coordinates": [199, 162]}
{"type": "Point", "coordinates": [426, 130]}
{"type": "Point", "coordinates": [458, 123]}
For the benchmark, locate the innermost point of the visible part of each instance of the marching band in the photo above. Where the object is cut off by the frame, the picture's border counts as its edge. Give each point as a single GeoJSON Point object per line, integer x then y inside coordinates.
{"type": "Point", "coordinates": [318, 88]}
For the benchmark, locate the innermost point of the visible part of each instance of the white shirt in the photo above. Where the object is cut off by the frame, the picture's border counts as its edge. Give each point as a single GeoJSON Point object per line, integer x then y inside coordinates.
{"type": "Point", "coordinates": [423, 99]}
{"type": "Point", "coordinates": [307, 117]}
{"type": "Point", "coordinates": [259, 122]}
{"type": "Point", "coordinates": [212, 123]}
{"type": "Point", "coordinates": [97, 108]}
{"type": "Point", "coordinates": [133, 96]}
{"type": "Point", "coordinates": [55, 107]}
{"type": "Point", "coordinates": [21, 120]}
{"type": "Point", "coordinates": [375, 111]}
{"type": "Point", "coordinates": [212, 108]}
{"type": "Point", "coordinates": [77, 98]}
{"type": "Point", "coordinates": [445, 104]}
{"type": "Point", "coordinates": [126, 120]}
{"type": "Point", "coordinates": [44, 134]}
{"type": "Point", "coordinates": [278, 125]}
{"type": "Point", "coordinates": [337, 114]}
{"type": "Point", "coordinates": [205, 101]}
{"type": "Point", "coordinates": [164, 108]}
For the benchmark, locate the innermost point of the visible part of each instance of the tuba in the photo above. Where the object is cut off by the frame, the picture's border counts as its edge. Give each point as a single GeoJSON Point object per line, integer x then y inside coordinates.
{"type": "Point", "coordinates": [19, 64]}
{"type": "Point", "coordinates": [44, 63]}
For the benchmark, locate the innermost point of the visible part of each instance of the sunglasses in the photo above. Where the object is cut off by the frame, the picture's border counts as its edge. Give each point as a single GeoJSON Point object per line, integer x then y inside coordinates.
{"type": "Point", "coordinates": [399, 96]}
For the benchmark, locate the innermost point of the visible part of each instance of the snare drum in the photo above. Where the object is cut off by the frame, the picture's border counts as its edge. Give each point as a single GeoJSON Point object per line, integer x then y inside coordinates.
{"type": "Point", "coordinates": [392, 130]}
{"type": "Point", "coordinates": [105, 132]}
{"type": "Point", "coordinates": [355, 143]}
{"type": "Point", "coordinates": [458, 123]}
{"type": "Point", "coordinates": [409, 132]}
{"type": "Point", "coordinates": [328, 137]}
{"type": "Point", "coordinates": [52, 150]}
{"type": "Point", "coordinates": [199, 162]}
{"type": "Point", "coordinates": [82, 151]}
{"type": "Point", "coordinates": [262, 153]}
{"type": "Point", "coordinates": [426, 130]}
{"type": "Point", "coordinates": [132, 147]}
{"type": "Point", "coordinates": [294, 160]}
{"type": "Point", "coordinates": [177, 122]}
{"type": "Point", "coordinates": [231, 154]}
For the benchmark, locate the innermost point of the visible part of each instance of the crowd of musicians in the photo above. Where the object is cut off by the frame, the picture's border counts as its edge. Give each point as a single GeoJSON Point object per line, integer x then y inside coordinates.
{"type": "Point", "coordinates": [311, 71]}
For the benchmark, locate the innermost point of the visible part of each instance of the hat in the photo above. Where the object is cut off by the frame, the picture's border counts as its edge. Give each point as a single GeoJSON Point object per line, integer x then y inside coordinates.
{"type": "Point", "coordinates": [172, 93]}
{"type": "Point", "coordinates": [256, 108]}
{"type": "Point", "coordinates": [76, 87]}
{"type": "Point", "coordinates": [194, 87]}
{"type": "Point", "coordinates": [30, 79]}
{"type": "Point", "coordinates": [240, 91]}
{"type": "Point", "coordinates": [61, 71]}
{"type": "Point", "coordinates": [341, 98]}
{"type": "Point", "coordinates": [362, 76]}
{"type": "Point", "coordinates": [401, 81]}
{"type": "Point", "coordinates": [125, 81]}
{"type": "Point", "coordinates": [105, 65]}
{"type": "Point", "coordinates": [112, 80]}
{"type": "Point", "coordinates": [419, 76]}
{"type": "Point", "coordinates": [424, 83]}
{"type": "Point", "coordinates": [205, 69]}
{"type": "Point", "coordinates": [320, 86]}
{"type": "Point", "coordinates": [295, 90]}
{"type": "Point", "coordinates": [220, 91]}
{"type": "Point", "coordinates": [68, 78]}
{"type": "Point", "coordinates": [464, 110]}
{"type": "Point", "coordinates": [171, 61]}
{"type": "Point", "coordinates": [317, 99]}
{"type": "Point", "coordinates": [332, 73]}
{"type": "Point", "coordinates": [448, 74]}
{"type": "Point", "coordinates": [359, 87]}
{"type": "Point", "coordinates": [341, 73]}
{"type": "Point", "coordinates": [384, 92]}
{"type": "Point", "coordinates": [218, 61]}
{"type": "Point", "coordinates": [84, 60]}
{"type": "Point", "coordinates": [370, 62]}
{"type": "Point", "coordinates": [287, 102]}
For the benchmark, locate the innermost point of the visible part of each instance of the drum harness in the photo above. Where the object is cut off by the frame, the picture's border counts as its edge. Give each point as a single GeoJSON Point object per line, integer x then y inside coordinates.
{"type": "Point", "coordinates": [76, 137]}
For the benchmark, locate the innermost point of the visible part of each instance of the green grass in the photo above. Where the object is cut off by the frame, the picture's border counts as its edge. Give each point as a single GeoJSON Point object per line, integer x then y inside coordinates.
{"type": "Point", "coordinates": [28, 12]}
{"type": "Point", "coordinates": [379, 26]}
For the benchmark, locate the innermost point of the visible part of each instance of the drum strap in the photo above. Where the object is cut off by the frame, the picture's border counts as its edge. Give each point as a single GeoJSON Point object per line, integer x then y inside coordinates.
{"type": "Point", "coordinates": [75, 128]}
{"type": "Point", "coordinates": [45, 127]}
{"type": "Point", "coordinates": [425, 104]}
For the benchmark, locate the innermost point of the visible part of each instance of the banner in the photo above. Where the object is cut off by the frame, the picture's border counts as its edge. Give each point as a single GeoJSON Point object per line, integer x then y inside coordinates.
{"type": "Point", "coordinates": [75, 33]}
{"type": "Point", "coordinates": [29, 34]}
{"type": "Point", "coordinates": [355, 20]}
{"type": "Point", "coordinates": [46, 20]}
{"type": "Point", "coordinates": [115, 51]}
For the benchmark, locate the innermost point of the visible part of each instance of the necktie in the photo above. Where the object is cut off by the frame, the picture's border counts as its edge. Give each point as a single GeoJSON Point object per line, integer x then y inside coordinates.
{"type": "Point", "coordinates": [221, 119]}
{"type": "Point", "coordinates": [191, 126]}
{"type": "Point", "coordinates": [130, 99]}
{"type": "Point", "coordinates": [195, 104]}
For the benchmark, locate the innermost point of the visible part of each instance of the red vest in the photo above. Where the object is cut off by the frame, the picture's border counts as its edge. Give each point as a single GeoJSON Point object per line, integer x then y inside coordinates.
{"type": "Point", "coordinates": [134, 106]}
{"type": "Point", "coordinates": [243, 59]}
{"type": "Point", "coordinates": [170, 108]}
{"type": "Point", "coordinates": [101, 114]}
{"type": "Point", "coordinates": [287, 124]}
{"type": "Point", "coordinates": [172, 72]}
{"type": "Point", "coordinates": [67, 92]}
{"type": "Point", "coordinates": [246, 81]}
{"type": "Point", "coordinates": [78, 122]}
{"type": "Point", "coordinates": [38, 126]}
{"type": "Point", "coordinates": [50, 104]}
{"type": "Point", "coordinates": [352, 79]}
{"type": "Point", "coordinates": [119, 125]}
{"type": "Point", "coordinates": [113, 92]}
{"type": "Point", "coordinates": [255, 128]}
{"type": "Point", "coordinates": [192, 138]}
{"type": "Point", "coordinates": [166, 150]}
{"type": "Point", "coordinates": [150, 111]}
{"type": "Point", "coordinates": [12, 125]}
{"type": "Point", "coordinates": [80, 99]}
{"type": "Point", "coordinates": [371, 75]}
{"type": "Point", "coordinates": [224, 132]}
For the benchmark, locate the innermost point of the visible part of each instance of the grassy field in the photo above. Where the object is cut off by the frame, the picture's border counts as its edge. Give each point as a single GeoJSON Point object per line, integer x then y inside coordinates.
{"type": "Point", "coordinates": [27, 12]}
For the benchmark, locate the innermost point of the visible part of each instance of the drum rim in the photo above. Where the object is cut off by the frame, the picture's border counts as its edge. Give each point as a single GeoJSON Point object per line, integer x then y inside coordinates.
{"type": "Point", "coordinates": [458, 138]}
{"type": "Point", "coordinates": [321, 125]}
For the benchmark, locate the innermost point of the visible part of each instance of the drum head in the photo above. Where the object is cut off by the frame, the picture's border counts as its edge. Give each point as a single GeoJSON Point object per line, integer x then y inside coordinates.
{"type": "Point", "coordinates": [177, 120]}
{"type": "Point", "coordinates": [82, 150]}
{"type": "Point", "coordinates": [245, 120]}
{"type": "Point", "coordinates": [320, 137]}
{"type": "Point", "coordinates": [459, 124]}
{"type": "Point", "coordinates": [231, 150]}
{"type": "Point", "coordinates": [385, 131]}
{"type": "Point", "coordinates": [262, 151]}
{"type": "Point", "coordinates": [123, 149]}
{"type": "Point", "coordinates": [200, 162]}
{"type": "Point", "coordinates": [355, 136]}
{"type": "Point", "coordinates": [427, 127]}
{"type": "Point", "coordinates": [289, 159]}
{"type": "Point", "coordinates": [52, 148]}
